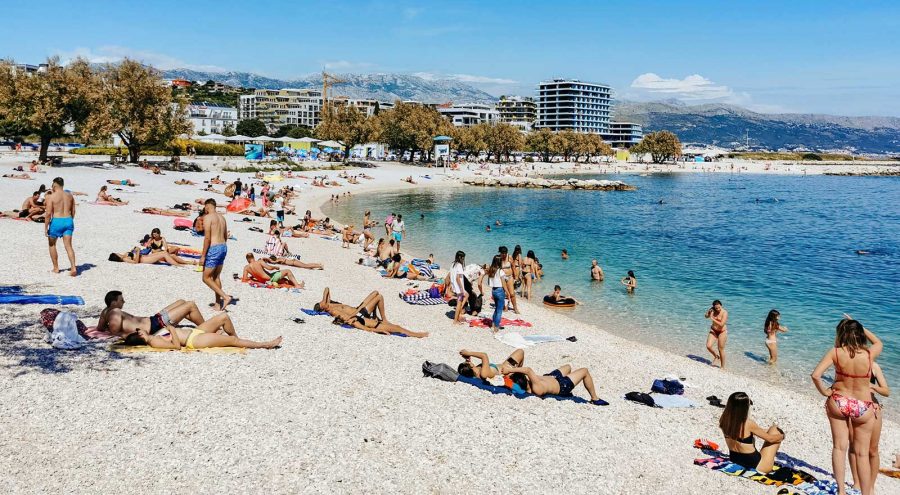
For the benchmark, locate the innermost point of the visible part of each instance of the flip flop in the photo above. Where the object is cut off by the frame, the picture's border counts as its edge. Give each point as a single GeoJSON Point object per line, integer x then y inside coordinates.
{"type": "Point", "coordinates": [599, 402]}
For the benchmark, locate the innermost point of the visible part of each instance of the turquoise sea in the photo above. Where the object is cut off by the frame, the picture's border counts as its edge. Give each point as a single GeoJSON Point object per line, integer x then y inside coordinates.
{"type": "Point", "coordinates": [756, 242]}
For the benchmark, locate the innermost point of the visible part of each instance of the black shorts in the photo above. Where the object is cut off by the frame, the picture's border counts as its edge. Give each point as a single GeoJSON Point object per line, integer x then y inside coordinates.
{"type": "Point", "coordinates": [23, 213]}
{"type": "Point", "coordinates": [566, 385]}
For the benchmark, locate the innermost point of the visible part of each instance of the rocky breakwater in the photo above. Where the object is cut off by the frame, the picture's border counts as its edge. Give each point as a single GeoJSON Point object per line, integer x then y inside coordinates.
{"type": "Point", "coordinates": [540, 183]}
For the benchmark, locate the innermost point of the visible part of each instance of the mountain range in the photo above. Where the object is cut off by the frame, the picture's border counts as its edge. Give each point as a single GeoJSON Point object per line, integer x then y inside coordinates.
{"type": "Point", "coordinates": [717, 124]}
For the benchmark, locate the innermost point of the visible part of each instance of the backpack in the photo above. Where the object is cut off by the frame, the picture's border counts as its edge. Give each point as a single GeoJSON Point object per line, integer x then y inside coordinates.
{"type": "Point", "coordinates": [440, 371]}
{"type": "Point", "coordinates": [668, 387]}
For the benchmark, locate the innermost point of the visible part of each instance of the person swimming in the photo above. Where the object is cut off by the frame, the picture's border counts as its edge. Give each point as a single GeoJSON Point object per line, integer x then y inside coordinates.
{"type": "Point", "coordinates": [565, 254]}
{"type": "Point", "coordinates": [630, 282]}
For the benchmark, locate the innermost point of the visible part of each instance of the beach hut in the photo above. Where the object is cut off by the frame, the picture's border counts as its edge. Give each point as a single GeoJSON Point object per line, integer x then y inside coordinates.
{"type": "Point", "coordinates": [442, 150]}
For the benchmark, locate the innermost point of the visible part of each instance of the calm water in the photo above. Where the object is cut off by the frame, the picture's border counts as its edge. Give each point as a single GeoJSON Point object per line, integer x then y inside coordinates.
{"type": "Point", "coordinates": [755, 242]}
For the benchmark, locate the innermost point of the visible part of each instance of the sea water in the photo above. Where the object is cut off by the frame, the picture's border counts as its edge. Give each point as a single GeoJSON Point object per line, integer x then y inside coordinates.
{"type": "Point", "coordinates": [755, 242]}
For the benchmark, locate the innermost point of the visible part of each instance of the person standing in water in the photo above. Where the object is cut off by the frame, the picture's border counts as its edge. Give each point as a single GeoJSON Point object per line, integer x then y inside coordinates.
{"type": "Point", "coordinates": [630, 282]}
{"type": "Point", "coordinates": [718, 332]}
{"type": "Point", "coordinates": [214, 251]}
{"type": "Point", "coordinates": [596, 271]}
{"type": "Point", "coordinates": [60, 222]}
{"type": "Point", "coordinates": [565, 254]}
{"type": "Point", "coordinates": [772, 327]}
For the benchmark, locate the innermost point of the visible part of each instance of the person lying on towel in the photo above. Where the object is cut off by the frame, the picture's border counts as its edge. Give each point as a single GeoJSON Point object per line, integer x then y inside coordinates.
{"type": "Point", "coordinates": [560, 381]}
{"type": "Point", "coordinates": [486, 369]}
{"type": "Point", "coordinates": [263, 272]}
{"type": "Point", "coordinates": [371, 307]}
{"type": "Point", "coordinates": [203, 337]}
{"type": "Point", "coordinates": [117, 322]}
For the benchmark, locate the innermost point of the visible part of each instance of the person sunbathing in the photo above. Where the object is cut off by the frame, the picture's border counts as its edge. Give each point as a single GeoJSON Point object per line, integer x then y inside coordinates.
{"type": "Point", "coordinates": [103, 197]}
{"type": "Point", "coordinates": [561, 381]}
{"type": "Point", "coordinates": [115, 321]}
{"type": "Point", "coordinates": [164, 211]}
{"type": "Point", "coordinates": [261, 271]}
{"type": "Point", "coordinates": [17, 176]}
{"type": "Point", "coordinates": [156, 243]}
{"type": "Point", "coordinates": [281, 260]}
{"type": "Point", "coordinates": [375, 325]}
{"type": "Point", "coordinates": [217, 180]}
{"type": "Point", "coordinates": [185, 182]}
{"type": "Point", "coordinates": [32, 208]}
{"type": "Point", "coordinates": [204, 336]}
{"type": "Point", "coordinates": [135, 257]}
{"type": "Point", "coordinates": [349, 237]}
{"type": "Point", "coordinates": [123, 182]}
{"type": "Point", "coordinates": [486, 369]}
{"type": "Point", "coordinates": [371, 307]}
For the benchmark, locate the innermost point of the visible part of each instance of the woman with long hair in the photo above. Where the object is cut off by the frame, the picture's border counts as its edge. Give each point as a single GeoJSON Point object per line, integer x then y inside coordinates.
{"type": "Point", "coordinates": [771, 328]}
{"type": "Point", "coordinates": [718, 332]}
{"type": "Point", "coordinates": [456, 277]}
{"type": "Point", "coordinates": [849, 400]}
{"type": "Point", "coordinates": [879, 386]}
{"type": "Point", "coordinates": [497, 278]}
{"type": "Point", "coordinates": [529, 272]}
{"type": "Point", "coordinates": [740, 432]}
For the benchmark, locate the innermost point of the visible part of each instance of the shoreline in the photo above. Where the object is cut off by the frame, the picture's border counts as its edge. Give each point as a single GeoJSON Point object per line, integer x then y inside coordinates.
{"type": "Point", "coordinates": [335, 409]}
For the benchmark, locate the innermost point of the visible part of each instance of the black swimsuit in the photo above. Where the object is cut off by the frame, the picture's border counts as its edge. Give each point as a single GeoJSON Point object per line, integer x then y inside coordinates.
{"type": "Point", "coordinates": [749, 461]}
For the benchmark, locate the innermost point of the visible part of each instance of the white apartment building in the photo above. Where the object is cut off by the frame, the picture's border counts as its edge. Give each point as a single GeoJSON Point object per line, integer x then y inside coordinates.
{"type": "Point", "coordinates": [570, 104]}
{"type": "Point", "coordinates": [211, 118]}
{"type": "Point", "coordinates": [278, 107]}
{"type": "Point", "coordinates": [519, 111]}
{"type": "Point", "coordinates": [624, 134]}
{"type": "Point", "coordinates": [367, 106]}
{"type": "Point", "coordinates": [467, 115]}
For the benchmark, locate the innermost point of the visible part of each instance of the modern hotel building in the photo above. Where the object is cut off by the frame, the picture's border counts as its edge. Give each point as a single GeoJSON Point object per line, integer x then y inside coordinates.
{"type": "Point", "coordinates": [570, 104]}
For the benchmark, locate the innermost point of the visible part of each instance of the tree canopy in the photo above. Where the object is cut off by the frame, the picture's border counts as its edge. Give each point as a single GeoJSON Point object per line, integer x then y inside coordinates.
{"type": "Point", "coordinates": [663, 146]}
{"type": "Point", "coordinates": [251, 127]}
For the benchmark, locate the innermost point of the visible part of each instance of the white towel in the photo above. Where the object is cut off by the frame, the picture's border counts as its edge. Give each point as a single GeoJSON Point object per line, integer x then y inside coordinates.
{"type": "Point", "coordinates": [65, 333]}
{"type": "Point", "coordinates": [517, 340]}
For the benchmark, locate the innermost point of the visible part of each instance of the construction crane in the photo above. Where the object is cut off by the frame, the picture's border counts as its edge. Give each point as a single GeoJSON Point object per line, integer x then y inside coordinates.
{"type": "Point", "coordinates": [326, 80]}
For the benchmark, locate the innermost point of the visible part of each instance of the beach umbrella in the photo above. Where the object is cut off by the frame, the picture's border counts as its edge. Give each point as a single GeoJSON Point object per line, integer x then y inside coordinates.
{"type": "Point", "coordinates": [330, 144]}
{"type": "Point", "coordinates": [307, 140]}
{"type": "Point", "coordinates": [327, 150]}
{"type": "Point", "coordinates": [264, 139]}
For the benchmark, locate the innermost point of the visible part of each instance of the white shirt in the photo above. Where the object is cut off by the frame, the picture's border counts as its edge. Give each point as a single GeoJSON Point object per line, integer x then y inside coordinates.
{"type": "Point", "coordinates": [497, 279]}
{"type": "Point", "coordinates": [455, 273]}
{"type": "Point", "coordinates": [279, 203]}
{"type": "Point", "coordinates": [398, 226]}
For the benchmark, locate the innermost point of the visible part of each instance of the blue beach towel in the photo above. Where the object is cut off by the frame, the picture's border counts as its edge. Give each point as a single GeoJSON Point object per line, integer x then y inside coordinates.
{"type": "Point", "coordinates": [40, 299]}
{"type": "Point", "coordinates": [479, 383]}
{"type": "Point", "coordinates": [11, 289]}
{"type": "Point", "coordinates": [312, 312]}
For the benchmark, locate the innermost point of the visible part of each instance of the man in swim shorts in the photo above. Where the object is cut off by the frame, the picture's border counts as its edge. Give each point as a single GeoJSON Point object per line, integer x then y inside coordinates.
{"type": "Point", "coordinates": [117, 322]}
{"type": "Point", "coordinates": [60, 215]}
{"type": "Point", "coordinates": [215, 234]}
{"type": "Point", "coordinates": [263, 272]}
{"type": "Point", "coordinates": [561, 381]}
{"type": "Point", "coordinates": [399, 229]}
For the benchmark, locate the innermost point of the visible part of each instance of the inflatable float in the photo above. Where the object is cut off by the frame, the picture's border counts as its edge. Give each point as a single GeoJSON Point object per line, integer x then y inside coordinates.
{"type": "Point", "coordinates": [566, 302]}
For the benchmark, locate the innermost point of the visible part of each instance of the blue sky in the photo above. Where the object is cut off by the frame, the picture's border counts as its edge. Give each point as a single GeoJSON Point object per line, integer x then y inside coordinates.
{"type": "Point", "coordinates": [795, 56]}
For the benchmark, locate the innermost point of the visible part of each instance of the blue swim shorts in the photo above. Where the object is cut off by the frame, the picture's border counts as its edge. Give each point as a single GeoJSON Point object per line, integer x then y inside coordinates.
{"type": "Point", "coordinates": [398, 236]}
{"type": "Point", "coordinates": [215, 255]}
{"type": "Point", "coordinates": [61, 227]}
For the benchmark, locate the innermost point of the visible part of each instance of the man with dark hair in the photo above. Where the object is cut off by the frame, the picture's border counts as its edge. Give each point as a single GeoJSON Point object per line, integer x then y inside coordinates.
{"type": "Point", "coordinates": [215, 234]}
{"type": "Point", "coordinates": [117, 322]}
{"type": "Point", "coordinates": [486, 369]}
{"type": "Point", "coordinates": [560, 381]}
{"type": "Point", "coordinates": [371, 307]}
{"type": "Point", "coordinates": [60, 222]}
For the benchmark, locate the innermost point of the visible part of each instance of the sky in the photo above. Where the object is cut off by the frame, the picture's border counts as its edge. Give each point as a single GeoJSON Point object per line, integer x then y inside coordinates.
{"type": "Point", "coordinates": [803, 56]}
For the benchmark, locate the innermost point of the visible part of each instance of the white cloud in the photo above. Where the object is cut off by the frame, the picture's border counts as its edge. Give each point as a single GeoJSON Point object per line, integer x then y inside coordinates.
{"type": "Point", "coordinates": [113, 53]}
{"type": "Point", "coordinates": [693, 87]}
{"type": "Point", "coordinates": [466, 78]}
{"type": "Point", "coordinates": [347, 65]}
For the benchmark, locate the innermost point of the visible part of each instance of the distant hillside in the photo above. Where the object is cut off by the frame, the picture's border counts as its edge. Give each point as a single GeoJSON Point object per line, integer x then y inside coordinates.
{"type": "Point", "coordinates": [728, 125]}
{"type": "Point", "coordinates": [384, 87]}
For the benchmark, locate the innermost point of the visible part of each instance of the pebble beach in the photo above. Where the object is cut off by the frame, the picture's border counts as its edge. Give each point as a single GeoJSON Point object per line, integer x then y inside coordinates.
{"type": "Point", "coordinates": [333, 409]}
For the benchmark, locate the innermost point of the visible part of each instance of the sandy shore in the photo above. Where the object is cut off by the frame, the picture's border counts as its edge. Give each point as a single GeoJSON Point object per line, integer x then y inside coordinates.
{"type": "Point", "coordinates": [332, 410]}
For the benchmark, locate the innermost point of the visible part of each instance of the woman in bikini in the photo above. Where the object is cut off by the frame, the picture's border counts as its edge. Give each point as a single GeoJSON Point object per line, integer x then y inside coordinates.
{"type": "Point", "coordinates": [772, 327]}
{"type": "Point", "coordinates": [740, 435]}
{"type": "Point", "coordinates": [203, 337]}
{"type": "Point", "coordinates": [718, 332]}
{"type": "Point", "coordinates": [375, 325]}
{"type": "Point", "coordinates": [487, 370]}
{"type": "Point", "coordinates": [508, 282]}
{"type": "Point", "coordinates": [529, 270]}
{"type": "Point", "coordinates": [630, 282]}
{"type": "Point", "coordinates": [849, 399]}
{"type": "Point", "coordinates": [104, 197]}
{"type": "Point", "coordinates": [135, 257]}
{"type": "Point", "coordinates": [156, 243]}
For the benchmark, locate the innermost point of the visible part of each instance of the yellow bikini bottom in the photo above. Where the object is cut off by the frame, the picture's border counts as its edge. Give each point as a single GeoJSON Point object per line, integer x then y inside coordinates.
{"type": "Point", "coordinates": [190, 340]}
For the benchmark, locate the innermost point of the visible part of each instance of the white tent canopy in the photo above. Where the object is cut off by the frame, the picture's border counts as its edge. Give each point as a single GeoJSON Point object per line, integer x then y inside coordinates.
{"type": "Point", "coordinates": [211, 137]}
{"type": "Point", "coordinates": [329, 144]}
{"type": "Point", "coordinates": [265, 139]}
{"type": "Point", "coordinates": [307, 140]}
{"type": "Point", "coordinates": [239, 138]}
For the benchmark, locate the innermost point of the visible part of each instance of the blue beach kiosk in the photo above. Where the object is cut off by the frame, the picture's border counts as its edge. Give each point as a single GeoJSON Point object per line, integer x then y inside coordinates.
{"type": "Point", "coordinates": [442, 150]}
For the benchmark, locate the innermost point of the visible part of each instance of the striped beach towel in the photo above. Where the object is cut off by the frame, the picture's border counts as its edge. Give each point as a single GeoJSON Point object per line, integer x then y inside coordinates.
{"type": "Point", "coordinates": [264, 253]}
{"type": "Point", "coordinates": [421, 298]}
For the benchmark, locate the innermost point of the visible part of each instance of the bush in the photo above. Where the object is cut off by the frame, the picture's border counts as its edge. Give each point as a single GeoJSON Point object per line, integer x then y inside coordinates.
{"type": "Point", "coordinates": [178, 147]}
{"type": "Point", "coordinates": [811, 156]}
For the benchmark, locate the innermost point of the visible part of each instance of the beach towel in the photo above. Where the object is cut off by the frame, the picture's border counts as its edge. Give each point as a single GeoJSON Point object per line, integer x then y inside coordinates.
{"type": "Point", "coordinates": [65, 333]}
{"type": "Point", "coordinates": [129, 349]}
{"type": "Point", "coordinates": [198, 234]}
{"type": "Point", "coordinates": [667, 401]}
{"type": "Point", "coordinates": [182, 222]}
{"type": "Point", "coordinates": [422, 298]}
{"type": "Point", "coordinates": [497, 390]}
{"type": "Point", "coordinates": [517, 340]}
{"type": "Point", "coordinates": [312, 312]}
{"type": "Point", "coordinates": [40, 299]}
{"type": "Point", "coordinates": [798, 480]}
{"type": "Point", "coordinates": [163, 214]}
{"type": "Point", "coordinates": [264, 253]}
{"type": "Point", "coordinates": [281, 287]}
{"type": "Point", "coordinates": [423, 266]}
{"type": "Point", "coordinates": [504, 322]}
{"type": "Point", "coordinates": [104, 203]}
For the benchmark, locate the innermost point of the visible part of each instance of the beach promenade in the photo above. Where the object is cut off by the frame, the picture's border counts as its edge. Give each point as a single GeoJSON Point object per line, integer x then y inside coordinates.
{"type": "Point", "coordinates": [334, 410]}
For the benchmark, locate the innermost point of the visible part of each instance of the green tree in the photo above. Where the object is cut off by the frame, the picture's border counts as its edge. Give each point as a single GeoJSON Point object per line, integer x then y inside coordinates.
{"type": "Point", "coordinates": [300, 131]}
{"type": "Point", "coordinates": [45, 103]}
{"type": "Point", "coordinates": [228, 131]}
{"type": "Point", "coordinates": [134, 104]}
{"type": "Point", "coordinates": [662, 146]}
{"type": "Point", "coordinates": [564, 143]}
{"type": "Point", "coordinates": [503, 139]}
{"type": "Point", "coordinates": [540, 141]}
{"type": "Point", "coordinates": [251, 127]}
{"type": "Point", "coordinates": [345, 124]}
{"type": "Point", "coordinates": [469, 140]}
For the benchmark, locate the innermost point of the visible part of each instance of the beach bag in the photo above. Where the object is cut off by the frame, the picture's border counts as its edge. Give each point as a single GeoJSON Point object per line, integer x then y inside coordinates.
{"type": "Point", "coordinates": [65, 334]}
{"type": "Point", "coordinates": [48, 318]}
{"type": "Point", "coordinates": [434, 291]}
{"type": "Point", "coordinates": [440, 371]}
